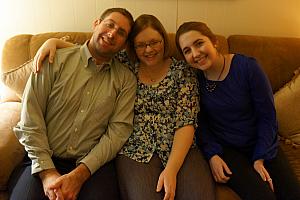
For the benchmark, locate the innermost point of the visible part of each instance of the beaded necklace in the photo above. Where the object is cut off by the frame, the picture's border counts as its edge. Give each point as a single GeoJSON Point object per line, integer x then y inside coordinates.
{"type": "Point", "coordinates": [211, 85]}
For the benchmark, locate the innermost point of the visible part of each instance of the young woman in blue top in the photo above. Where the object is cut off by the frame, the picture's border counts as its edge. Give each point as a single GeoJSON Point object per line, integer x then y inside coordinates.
{"type": "Point", "coordinates": [237, 122]}
{"type": "Point", "coordinates": [159, 161]}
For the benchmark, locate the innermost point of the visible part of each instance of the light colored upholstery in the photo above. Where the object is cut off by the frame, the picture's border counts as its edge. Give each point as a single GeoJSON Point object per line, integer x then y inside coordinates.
{"type": "Point", "coordinates": [278, 57]}
{"type": "Point", "coordinates": [287, 102]}
{"type": "Point", "coordinates": [11, 151]}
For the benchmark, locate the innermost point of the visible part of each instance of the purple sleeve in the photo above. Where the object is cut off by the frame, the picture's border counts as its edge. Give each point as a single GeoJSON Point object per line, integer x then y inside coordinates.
{"type": "Point", "coordinates": [263, 102]}
{"type": "Point", "coordinates": [205, 138]}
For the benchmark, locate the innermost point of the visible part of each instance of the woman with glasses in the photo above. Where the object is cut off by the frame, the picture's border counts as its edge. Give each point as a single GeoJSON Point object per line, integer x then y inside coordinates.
{"type": "Point", "coordinates": [159, 161]}
{"type": "Point", "coordinates": [158, 153]}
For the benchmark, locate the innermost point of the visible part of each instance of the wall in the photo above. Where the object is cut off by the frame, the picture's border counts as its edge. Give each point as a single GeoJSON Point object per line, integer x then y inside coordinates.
{"type": "Point", "coordinates": [255, 17]}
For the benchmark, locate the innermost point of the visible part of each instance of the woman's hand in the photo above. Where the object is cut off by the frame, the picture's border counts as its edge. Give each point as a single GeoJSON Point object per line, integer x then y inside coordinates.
{"type": "Point", "coordinates": [261, 170]}
{"type": "Point", "coordinates": [48, 48]}
{"type": "Point", "coordinates": [167, 179]}
{"type": "Point", "coordinates": [218, 167]}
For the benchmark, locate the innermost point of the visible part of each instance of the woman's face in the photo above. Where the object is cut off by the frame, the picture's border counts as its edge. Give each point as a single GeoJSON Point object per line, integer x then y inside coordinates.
{"type": "Point", "coordinates": [149, 47]}
{"type": "Point", "coordinates": [198, 50]}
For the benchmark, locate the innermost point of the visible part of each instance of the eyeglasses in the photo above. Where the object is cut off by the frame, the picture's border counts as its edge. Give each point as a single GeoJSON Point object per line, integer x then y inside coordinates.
{"type": "Point", "coordinates": [112, 26]}
{"type": "Point", "coordinates": [143, 46]}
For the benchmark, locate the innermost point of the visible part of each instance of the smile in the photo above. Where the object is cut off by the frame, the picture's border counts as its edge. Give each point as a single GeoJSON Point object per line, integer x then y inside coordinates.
{"type": "Point", "coordinates": [200, 60]}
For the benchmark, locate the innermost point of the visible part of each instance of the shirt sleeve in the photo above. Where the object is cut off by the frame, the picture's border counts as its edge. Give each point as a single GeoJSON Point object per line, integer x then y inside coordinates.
{"type": "Point", "coordinates": [205, 139]}
{"type": "Point", "coordinates": [119, 128]}
{"type": "Point", "coordinates": [188, 98]}
{"type": "Point", "coordinates": [262, 97]}
{"type": "Point", "coordinates": [31, 130]}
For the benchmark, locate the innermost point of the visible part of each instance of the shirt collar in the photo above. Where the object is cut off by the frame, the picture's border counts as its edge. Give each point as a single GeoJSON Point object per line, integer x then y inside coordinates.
{"type": "Point", "coordinates": [87, 58]}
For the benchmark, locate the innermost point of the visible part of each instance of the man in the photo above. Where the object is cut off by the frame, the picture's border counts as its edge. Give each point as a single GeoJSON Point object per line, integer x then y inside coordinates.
{"type": "Point", "coordinates": [77, 113]}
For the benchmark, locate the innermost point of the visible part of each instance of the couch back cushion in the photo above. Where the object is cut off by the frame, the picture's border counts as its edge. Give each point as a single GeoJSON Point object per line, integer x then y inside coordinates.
{"type": "Point", "coordinates": [19, 49]}
{"type": "Point", "coordinates": [18, 52]}
{"type": "Point", "coordinates": [278, 56]}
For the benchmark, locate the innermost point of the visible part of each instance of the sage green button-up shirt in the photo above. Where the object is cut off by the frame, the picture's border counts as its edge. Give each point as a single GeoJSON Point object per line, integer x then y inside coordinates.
{"type": "Point", "coordinates": [74, 109]}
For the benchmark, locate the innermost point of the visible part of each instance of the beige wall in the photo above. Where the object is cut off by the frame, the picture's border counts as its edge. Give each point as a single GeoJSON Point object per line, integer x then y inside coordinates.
{"type": "Point", "coordinates": [226, 17]}
{"type": "Point", "coordinates": [254, 17]}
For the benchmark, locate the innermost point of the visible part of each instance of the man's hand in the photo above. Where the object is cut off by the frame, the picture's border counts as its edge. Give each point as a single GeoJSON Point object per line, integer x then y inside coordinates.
{"type": "Point", "coordinates": [167, 179]}
{"type": "Point", "coordinates": [261, 170]}
{"type": "Point", "coordinates": [71, 183]}
{"type": "Point", "coordinates": [48, 178]}
{"type": "Point", "coordinates": [218, 167]}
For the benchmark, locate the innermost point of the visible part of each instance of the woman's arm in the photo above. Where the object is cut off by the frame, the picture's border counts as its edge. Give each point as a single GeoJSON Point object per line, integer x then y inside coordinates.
{"type": "Point", "coordinates": [263, 102]}
{"type": "Point", "coordinates": [187, 108]}
{"type": "Point", "coordinates": [48, 48]}
{"type": "Point", "coordinates": [262, 97]}
{"type": "Point", "coordinates": [182, 142]}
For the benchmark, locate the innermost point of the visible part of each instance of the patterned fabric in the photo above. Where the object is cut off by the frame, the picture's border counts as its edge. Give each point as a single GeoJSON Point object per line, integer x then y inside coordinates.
{"type": "Point", "coordinates": [159, 110]}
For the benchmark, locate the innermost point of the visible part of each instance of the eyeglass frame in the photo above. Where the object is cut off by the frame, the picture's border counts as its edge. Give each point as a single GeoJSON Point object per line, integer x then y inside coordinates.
{"type": "Point", "coordinates": [152, 44]}
{"type": "Point", "coordinates": [111, 25]}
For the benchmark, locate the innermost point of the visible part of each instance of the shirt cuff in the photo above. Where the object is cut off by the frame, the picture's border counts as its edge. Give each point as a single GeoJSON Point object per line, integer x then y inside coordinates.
{"type": "Point", "coordinates": [91, 163]}
{"type": "Point", "coordinates": [41, 164]}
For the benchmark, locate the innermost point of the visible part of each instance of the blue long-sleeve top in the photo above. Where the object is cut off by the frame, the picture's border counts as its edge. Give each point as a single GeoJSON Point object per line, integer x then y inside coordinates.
{"type": "Point", "coordinates": [239, 113]}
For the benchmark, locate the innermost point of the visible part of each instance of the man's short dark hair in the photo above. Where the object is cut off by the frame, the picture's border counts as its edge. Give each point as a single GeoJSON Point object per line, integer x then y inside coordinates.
{"type": "Point", "coordinates": [122, 11]}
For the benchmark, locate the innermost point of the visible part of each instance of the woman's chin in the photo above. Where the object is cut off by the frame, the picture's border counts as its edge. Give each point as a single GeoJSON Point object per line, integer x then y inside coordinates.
{"type": "Point", "coordinates": [197, 66]}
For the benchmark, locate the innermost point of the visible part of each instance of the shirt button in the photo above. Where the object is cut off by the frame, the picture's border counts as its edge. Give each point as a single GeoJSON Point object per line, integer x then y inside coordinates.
{"type": "Point", "coordinates": [88, 93]}
{"type": "Point", "coordinates": [70, 148]}
{"type": "Point", "coordinates": [76, 130]}
{"type": "Point", "coordinates": [81, 111]}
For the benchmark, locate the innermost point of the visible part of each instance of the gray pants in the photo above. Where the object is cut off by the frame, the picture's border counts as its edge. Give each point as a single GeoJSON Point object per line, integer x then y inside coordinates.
{"type": "Point", "coordinates": [138, 180]}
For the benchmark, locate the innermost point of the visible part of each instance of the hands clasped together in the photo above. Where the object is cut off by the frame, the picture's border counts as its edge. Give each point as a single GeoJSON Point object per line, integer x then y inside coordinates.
{"type": "Point", "coordinates": [63, 187]}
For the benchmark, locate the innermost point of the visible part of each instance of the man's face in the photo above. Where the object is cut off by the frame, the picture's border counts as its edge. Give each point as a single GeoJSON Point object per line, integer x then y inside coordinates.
{"type": "Point", "coordinates": [110, 35]}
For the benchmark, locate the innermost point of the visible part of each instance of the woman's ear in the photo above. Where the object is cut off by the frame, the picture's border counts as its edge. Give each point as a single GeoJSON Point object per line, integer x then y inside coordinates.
{"type": "Point", "coordinates": [216, 44]}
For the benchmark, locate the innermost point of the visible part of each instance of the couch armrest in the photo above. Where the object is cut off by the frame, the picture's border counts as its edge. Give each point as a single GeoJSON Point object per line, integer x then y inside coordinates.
{"type": "Point", "coordinates": [11, 151]}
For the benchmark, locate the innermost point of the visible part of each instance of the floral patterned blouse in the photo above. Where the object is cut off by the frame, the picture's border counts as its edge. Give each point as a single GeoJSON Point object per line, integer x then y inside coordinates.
{"type": "Point", "coordinates": [159, 110]}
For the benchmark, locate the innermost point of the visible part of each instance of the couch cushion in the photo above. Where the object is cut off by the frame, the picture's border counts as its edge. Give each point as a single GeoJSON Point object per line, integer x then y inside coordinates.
{"type": "Point", "coordinates": [293, 156]}
{"type": "Point", "coordinates": [11, 151]}
{"type": "Point", "coordinates": [8, 95]}
{"type": "Point", "coordinates": [278, 56]}
{"type": "Point", "coordinates": [16, 79]}
{"type": "Point", "coordinates": [287, 102]}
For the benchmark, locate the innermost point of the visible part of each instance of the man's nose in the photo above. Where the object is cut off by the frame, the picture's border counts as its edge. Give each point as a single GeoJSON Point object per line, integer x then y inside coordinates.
{"type": "Point", "coordinates": [112, 33]}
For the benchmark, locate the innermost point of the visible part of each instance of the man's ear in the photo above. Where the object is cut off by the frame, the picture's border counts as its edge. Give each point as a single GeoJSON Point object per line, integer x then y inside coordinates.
{"type": "Point", "coordinates": [96, 23]}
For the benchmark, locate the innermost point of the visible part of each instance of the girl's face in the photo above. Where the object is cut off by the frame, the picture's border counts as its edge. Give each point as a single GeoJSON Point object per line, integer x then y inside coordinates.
{"type": "Point", "coordinates": [198, 50]}
{"type": "Point", "coordinates": [149, 47]}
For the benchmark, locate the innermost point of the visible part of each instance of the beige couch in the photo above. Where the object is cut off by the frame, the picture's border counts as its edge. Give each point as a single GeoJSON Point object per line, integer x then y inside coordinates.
{"type": "Point", "coordinates": [279, 58]}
